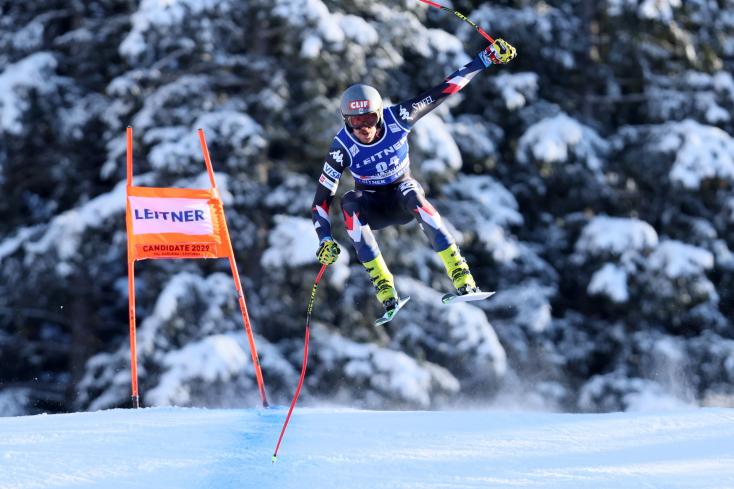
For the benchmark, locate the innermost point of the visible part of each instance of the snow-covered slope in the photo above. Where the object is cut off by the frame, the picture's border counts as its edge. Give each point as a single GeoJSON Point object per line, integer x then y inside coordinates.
{"type": "Point", "coordinates": [177, 448]}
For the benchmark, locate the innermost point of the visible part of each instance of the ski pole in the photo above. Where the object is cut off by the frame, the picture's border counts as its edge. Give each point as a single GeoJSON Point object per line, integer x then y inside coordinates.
{"type": "Point", "coordinates": [305, 357]}
{"type": "Point", "coordinates": [462, 17]}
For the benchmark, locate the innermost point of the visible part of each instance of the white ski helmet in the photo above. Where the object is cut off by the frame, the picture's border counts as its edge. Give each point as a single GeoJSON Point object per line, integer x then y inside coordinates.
{"type": "Point", "coordinates": [361, 99]}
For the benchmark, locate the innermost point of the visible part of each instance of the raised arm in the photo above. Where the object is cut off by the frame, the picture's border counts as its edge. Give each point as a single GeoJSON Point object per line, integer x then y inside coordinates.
{"type": "Point", "coordinates": [410, 111]}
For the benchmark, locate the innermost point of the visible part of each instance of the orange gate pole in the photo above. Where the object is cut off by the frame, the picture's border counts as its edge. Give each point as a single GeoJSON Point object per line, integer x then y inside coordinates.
{"type": "Point", "coordinates": [238, 284]}
{"type": "Point", "coordinates": [131, 280]}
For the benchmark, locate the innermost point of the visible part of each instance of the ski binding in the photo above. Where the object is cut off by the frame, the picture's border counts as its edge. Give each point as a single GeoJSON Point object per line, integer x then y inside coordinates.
{"type": "Point", "coordinates": [389, 315]}
{"type": "Point", "coordinates": [472, 296]}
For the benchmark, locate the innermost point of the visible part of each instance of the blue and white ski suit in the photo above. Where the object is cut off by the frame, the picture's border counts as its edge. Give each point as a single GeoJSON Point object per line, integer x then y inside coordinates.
{"type": "Point", "coordinates": [385, 193]}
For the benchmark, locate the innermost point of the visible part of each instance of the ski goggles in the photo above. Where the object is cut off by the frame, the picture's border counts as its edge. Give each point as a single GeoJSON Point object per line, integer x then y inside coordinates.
{"type": "Point", "coordinates": [362, 120]}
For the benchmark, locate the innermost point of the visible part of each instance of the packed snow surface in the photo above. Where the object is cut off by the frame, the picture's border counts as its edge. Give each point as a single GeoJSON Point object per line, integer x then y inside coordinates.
{"type": "Point", "coordinates": [180, 448]}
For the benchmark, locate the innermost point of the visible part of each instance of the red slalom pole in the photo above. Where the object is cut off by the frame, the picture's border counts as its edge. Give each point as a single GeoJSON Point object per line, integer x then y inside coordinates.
{"type": "Point", "coordinates": [462, 17]}
{"type": "Point", "coordinates": [305, 357]}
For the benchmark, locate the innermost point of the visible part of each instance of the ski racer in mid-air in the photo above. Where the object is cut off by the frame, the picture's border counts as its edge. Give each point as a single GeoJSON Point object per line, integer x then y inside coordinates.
{"type": "Point", "coordinates": [373, 145]}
